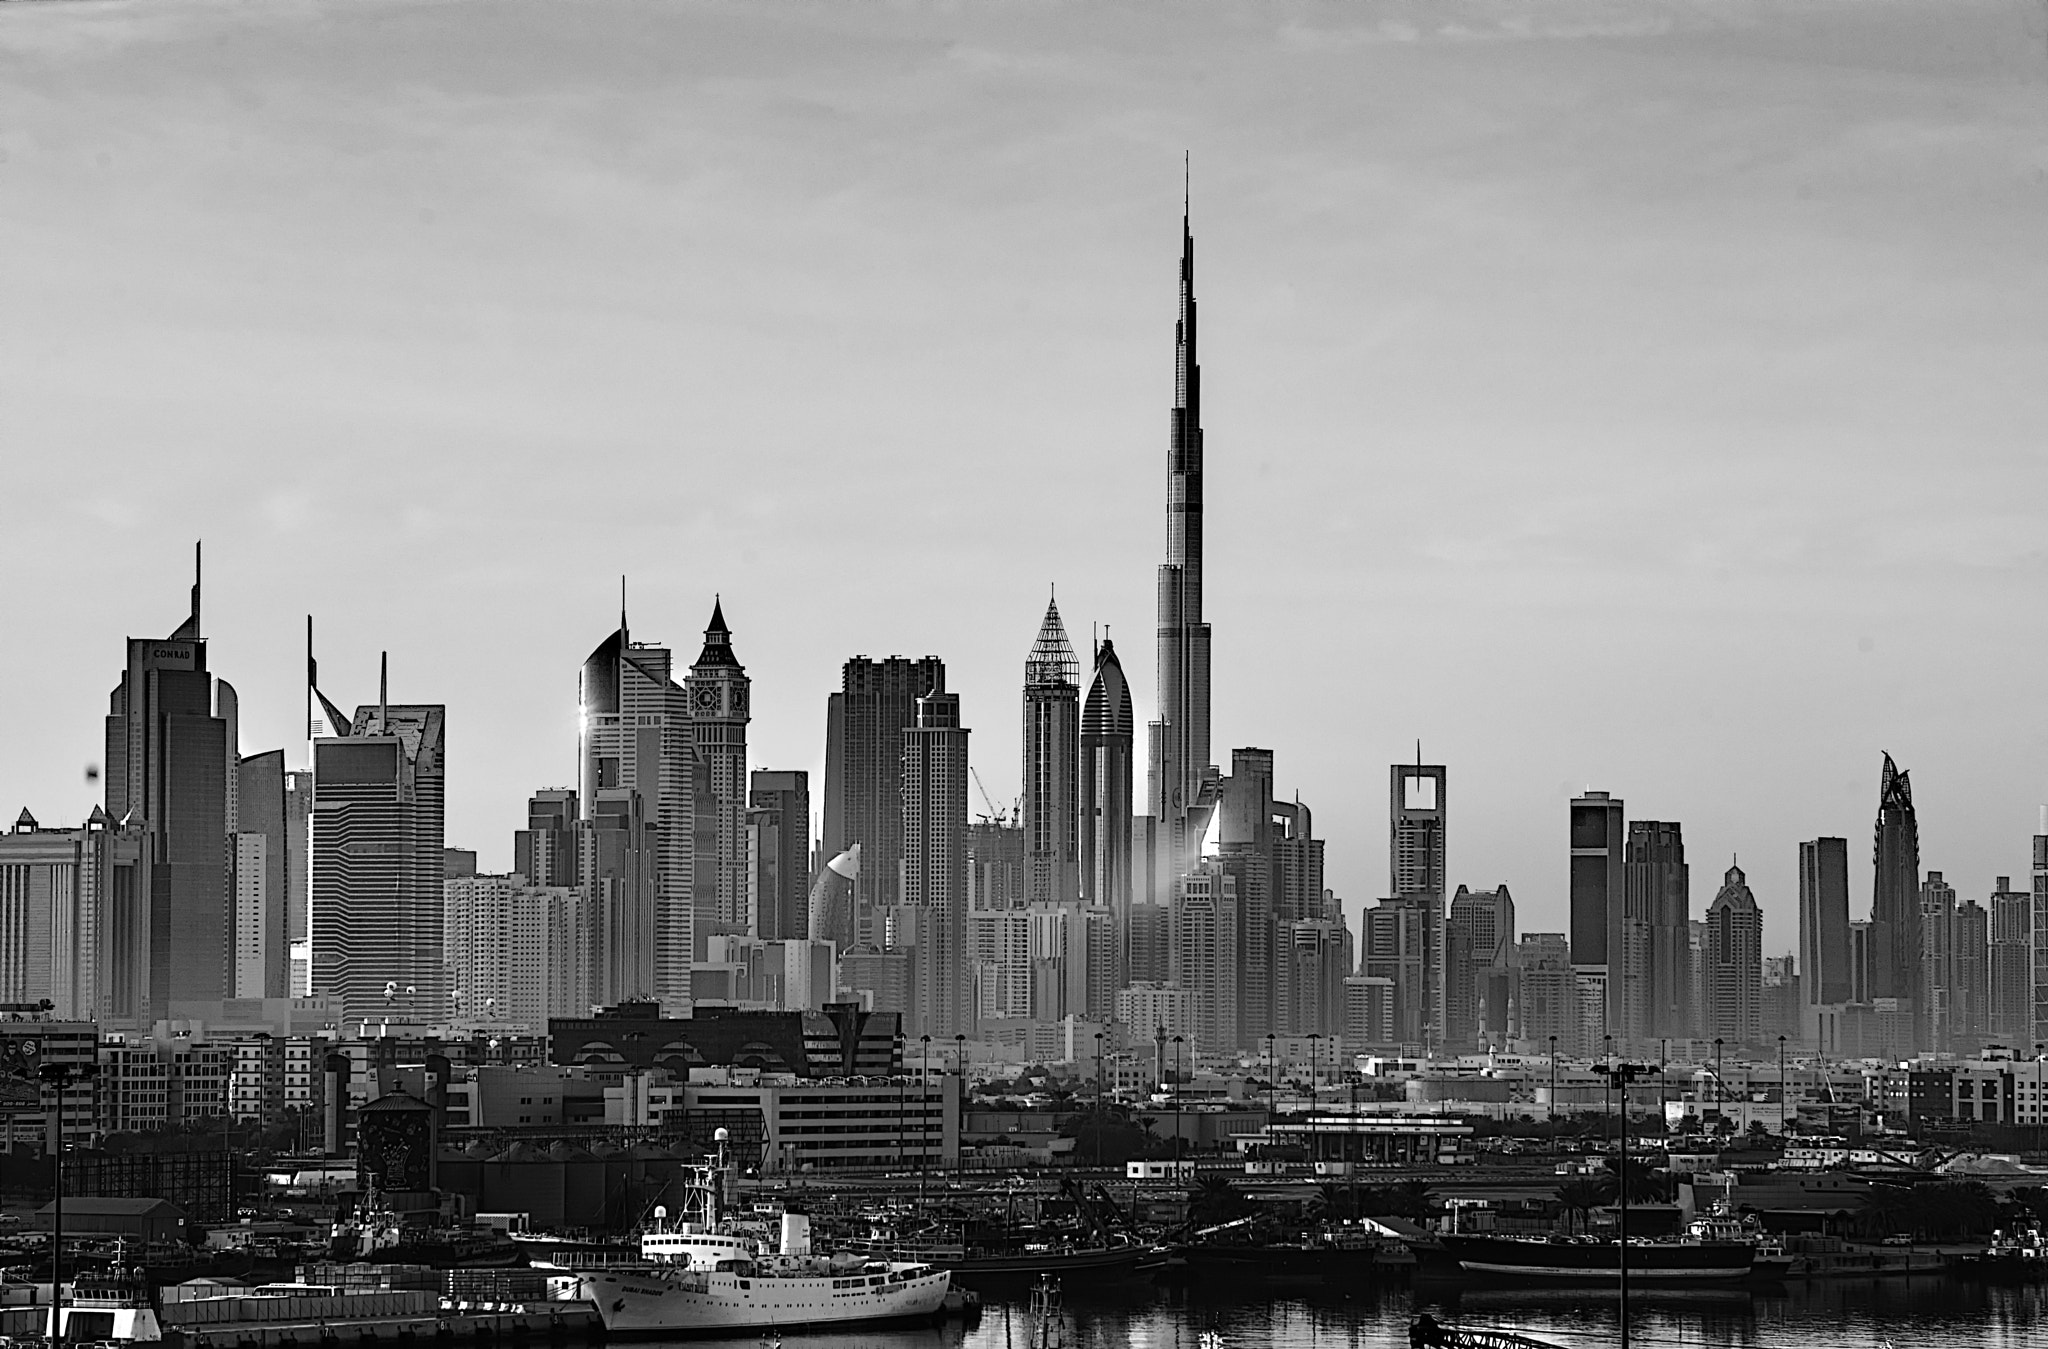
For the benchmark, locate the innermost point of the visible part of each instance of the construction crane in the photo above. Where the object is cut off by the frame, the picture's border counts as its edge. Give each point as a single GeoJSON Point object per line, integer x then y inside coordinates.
{"type": "Point", "coordinates": [995, 814]}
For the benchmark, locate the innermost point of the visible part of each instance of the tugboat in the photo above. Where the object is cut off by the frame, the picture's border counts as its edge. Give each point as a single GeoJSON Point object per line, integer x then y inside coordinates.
{"type": "Point", "coordinates": [2018, 1256]}
{"type": "Point", "coordinates": [703, 1275]}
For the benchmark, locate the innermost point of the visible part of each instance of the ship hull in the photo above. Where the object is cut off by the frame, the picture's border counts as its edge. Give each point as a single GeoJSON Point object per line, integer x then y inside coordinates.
{"type": "Point", "coordinates": [1599, 1262]}
{"type": "Point", "coordinates": [1113, 1262]}
{"type": "Point", "coordinates": [663, 1303]}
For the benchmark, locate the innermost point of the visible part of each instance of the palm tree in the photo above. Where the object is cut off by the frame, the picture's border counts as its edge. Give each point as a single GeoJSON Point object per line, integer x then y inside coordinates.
{"type": "Point", "coordinates": [1215, 1200]}
{"type": "Point", "coordinates": [1645, 1184]}
{"type": "Point", "coordinates": [1580, 1196]}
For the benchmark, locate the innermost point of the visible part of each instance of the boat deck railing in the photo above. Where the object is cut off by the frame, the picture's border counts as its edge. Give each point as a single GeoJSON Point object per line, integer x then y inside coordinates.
{"type": "Point", "coordinates": [1491, 1339]}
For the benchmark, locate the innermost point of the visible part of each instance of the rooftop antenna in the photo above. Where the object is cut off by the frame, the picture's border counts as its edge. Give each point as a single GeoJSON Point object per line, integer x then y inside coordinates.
{"type": "Point", "coordinates": [197, 545]}
{"type": "Point", "coordinates": [622, 608]}
{"type": "Point", "coordinates": [383, 692]}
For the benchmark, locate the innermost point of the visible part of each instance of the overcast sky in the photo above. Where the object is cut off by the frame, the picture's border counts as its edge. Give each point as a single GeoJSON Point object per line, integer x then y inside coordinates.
{"type": "Point", "coordinates": [1643, 395]}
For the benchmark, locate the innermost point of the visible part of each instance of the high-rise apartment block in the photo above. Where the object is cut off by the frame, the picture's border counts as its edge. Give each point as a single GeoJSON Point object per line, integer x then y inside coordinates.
{"type": "Point", "coordinates": [72, 907]}
{"type": "Point", "coordinates": [934, 860]}
{"type": "Point", "coordinates": [2009, 1011]}
{"type": "Point", "coordinates": [1478, 966]}
{"type": "Point", "coordinates": [865, 725]}
{"type": "Point", "coordinates": [515, 953]}
{"type": "Point", "coordinates": [1970, 987]}
{"type": "Point", "coordinates": [1934, 972]}
{"type": "Point", "coordinates": [1206, 958]}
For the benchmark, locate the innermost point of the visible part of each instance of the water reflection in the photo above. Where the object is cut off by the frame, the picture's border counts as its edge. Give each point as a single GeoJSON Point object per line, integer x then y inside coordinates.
{"type": "Point", "coordinates": [1919, 1313]}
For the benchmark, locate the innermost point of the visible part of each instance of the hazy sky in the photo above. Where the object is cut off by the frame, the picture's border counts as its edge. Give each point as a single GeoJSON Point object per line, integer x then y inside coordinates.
{"type": "Point", "coordinates": [1643, 395]}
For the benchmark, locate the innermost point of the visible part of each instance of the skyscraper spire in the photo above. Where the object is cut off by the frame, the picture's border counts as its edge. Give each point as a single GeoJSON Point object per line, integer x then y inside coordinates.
{"type": "Point", "coordinates": [189, 629]}
{"type": "Point", "coordinates": [383, 691]}
{"type": "Point", "coordinates": [1181, 777]}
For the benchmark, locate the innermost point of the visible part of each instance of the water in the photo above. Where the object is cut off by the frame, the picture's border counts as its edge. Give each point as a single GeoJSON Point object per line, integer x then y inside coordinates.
{"type": "Point", "coordinates": [1920, 1313]}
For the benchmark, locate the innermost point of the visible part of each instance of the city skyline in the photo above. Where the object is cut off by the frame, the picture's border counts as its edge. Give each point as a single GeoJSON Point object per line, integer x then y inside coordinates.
{"type": "Point", "coordinates": [1795, 669]}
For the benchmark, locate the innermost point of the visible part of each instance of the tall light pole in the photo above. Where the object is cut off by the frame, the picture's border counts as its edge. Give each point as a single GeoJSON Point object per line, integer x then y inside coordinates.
{"type": "Point", "coordinates": [1101, 1114]}
{"type": "Point", "coordinates": [924, 1117]}
{"type": "Point", "coordinates": [1663, 1102]}
{"type": "Point", "coordinates": [1719, 1114]}
{"type": "Point", "coordinates": [60, 1076]}
{"type": "Point", "coordinates": [1609, 1070]}
{"type": "Point", "coordinates": [1178, 1041]}
{"type": "Point", "coordinates": [1619, 1075]}
{"type": "Point", "coordinates": [1553, 1095]}
{"type": "Point", "coordinates": [1315, 1060]}
{"type": "Point", "coordinates": [960, 1071]}
{"type": "Point", "coordinates": [1272, 1090]}
{"type": "Point", "coordinates": [2038, 1103]}
{"type": "Point", "coordinates": [1781, 1086]}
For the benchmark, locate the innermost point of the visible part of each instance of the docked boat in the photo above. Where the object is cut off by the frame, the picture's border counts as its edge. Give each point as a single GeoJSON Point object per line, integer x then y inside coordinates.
{"type": "Point", "coordinates": [2018, 1256]}
{"type": "Point", "coordinates": [1586, 1260]}
{"type": "Point", "coordinates": [706, 1274]}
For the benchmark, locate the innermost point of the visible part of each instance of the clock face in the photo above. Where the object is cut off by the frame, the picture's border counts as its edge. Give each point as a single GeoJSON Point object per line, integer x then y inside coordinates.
{"type": "Point", "coordinates": [707, 698]}
{"type": "Point", "coordinates": [739, 700]}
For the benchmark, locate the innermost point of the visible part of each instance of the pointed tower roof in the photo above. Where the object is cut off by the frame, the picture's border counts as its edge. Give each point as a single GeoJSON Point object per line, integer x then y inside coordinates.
{"type": "Point", "coordinates": [1894, 788]}
{"type": "Point", "coordinates": [1108, 709]}
{"type": "Point", "coordinates": [717, 638]}
{"type": "Point", "coordinates": [1051, 662]}
{"type": "Point", "coordinates": [24, 823]}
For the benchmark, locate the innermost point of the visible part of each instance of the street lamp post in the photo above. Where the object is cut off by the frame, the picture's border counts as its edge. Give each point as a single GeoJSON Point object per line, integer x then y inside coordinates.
{"type": "Point", "coordinates": [1101, 1116]}
{"type": "Point", "coordinates": [1553, 1095]}
{"type": "Point", "coordinates": [2037, 1096]}
{"type": "Point", "coordinates": [924, 1117]}
{"type": "Point", "coordinates": [1619, 1075]}
{"type": "Point", "coordinates": [1315, 1059]}
{"type": "Point", "coordinates": [1719, 1113]}
{"type": "Point", "coordinates": [1609, 1070]}
{"type": "Point", "coordinates": [60, 1076]}
{"type": "Point", "coordinates": [960, 1071]}
{"type": "Point", "coordinates": [1178, 1041]}
{"type": "Point", "coordinates": [1272, 1090]}
{"type": "Point", "coordinates": [1781, 1086]}
{"type": "Point", "coordinates": [1663, 1100]}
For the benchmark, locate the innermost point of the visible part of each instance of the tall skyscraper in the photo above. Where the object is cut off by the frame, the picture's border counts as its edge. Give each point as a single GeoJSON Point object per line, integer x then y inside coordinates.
{"type": "Point", "coordinates": [264, 879]}
{"type": "Point", "coordinates": [625, 901]}
{"type": "Point", "coordinates": [934, 860]}
{"type": "Point", "coordinates": [515, 953]}
{"type": "Point", "coordinates": [1735, 963]}
{"type": "Point", "coordinates": [1205, 956]}
{"type": "Point", "coordinates": [1418, 814]}
{"type": "Point", "coordinates": [1181, 779]}
{"type": "Point", "coordinates": [2038, 962]}
{"type": "Point", "coordinates": [378, 821]}
{"type": "Point", "coordinates": [1401, 943]}
{"type": "Point", "coordinates": [1656, 997]}
{"type": "Point", "coordinates": [1933, 990]}
{"type": "Point", "coordinates": [1969, 959]}
{"type": "Point", "coordinates": [1598, 887]}
{"type": "Point", "coordinates": [1481, 938]}
{"type": "Point", "coordinates": [1895, 897]}
{"type": "Point", "coordinates": [637, 737]}
{"type": "Point", "coordinates": [718, 690]}
{"type": "Point", "coordinates": [171, 750]}
{"type": "Point", "coordinates": [1107, 728]}
{"type": "Point", "coordinates": [1823, 931]}
{"type": "Point", "coordinates": [1052, 751]}
{"type": "Point", "coordinates": [995, 866]}
{"type": "Point", "coordinates": [865, 724]}
{"type": "Point", "coordinates": [1245, 852]}
{"type": "Point", "coordinates": [2010, 993]}
{"type": "Point", "coordinates": [545, 851]}
{"type": "Point", "coordinates": [778, 853]}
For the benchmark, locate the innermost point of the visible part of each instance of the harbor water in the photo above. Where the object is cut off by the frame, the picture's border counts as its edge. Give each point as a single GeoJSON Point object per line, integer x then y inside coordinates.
{"type": "Point", "coordinates": [1899, 1313]}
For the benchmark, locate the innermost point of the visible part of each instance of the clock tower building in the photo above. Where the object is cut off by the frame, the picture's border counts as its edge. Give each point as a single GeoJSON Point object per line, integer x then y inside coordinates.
{"type": "Point", "coordinates": [717, 690]}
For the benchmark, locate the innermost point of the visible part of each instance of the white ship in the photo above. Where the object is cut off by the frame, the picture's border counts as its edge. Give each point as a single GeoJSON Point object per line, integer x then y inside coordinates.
{"type": "Point", "coordinates": [703, 1275]}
